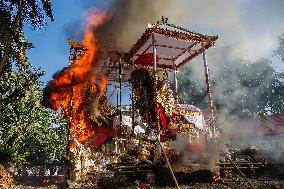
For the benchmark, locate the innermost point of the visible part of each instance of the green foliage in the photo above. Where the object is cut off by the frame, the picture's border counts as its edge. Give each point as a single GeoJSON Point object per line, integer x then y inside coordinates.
{"type": "Point", "coordinates": [34, 12]}
{"type": "Point", "coordinates": [239, 87]}
{"type": "Point", "coordinates": [29, 133]}
{"type": "Point", "coordinates": [13, 15]}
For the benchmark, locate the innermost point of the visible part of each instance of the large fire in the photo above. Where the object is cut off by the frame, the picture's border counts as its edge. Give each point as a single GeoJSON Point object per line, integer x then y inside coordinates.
{"type": "Point", "coordinates": [82, 71]}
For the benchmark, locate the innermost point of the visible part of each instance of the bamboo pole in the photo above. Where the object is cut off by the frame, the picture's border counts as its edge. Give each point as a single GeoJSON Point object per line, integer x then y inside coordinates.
{"type": "Point", "coordinates": [69, 127]}
{"type": "Point", "coordinates": [155, 81]}
{"type": "Point", "coordinates": [71, 60]}
{"type": "Point", "coordinates": [209, 93]}
{"type": "Point", "coordinates": [167, 161]}
{"type": "Point", "coordinates": [239, 171]}
{"type": "Point", "coordinates": [175, 82]}
{"type": "Point", "coordinates": [132, 110]}
{"type": "Point", "coordinates": [120, 97]}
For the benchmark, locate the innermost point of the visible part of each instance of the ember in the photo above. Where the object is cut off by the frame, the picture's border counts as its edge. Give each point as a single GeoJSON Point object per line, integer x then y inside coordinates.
{"type": "Point", "coordinates": [45, 181]}
{"type": "Point", "coordinates": [216, 179]}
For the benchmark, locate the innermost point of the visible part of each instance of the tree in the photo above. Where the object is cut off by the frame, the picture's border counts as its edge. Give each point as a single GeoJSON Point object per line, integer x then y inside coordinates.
{"type": "Point", "coordinates": [13, 15]}
{"type": "Point", "coordinates": [29, 133]}
{"type": "Point", "coordinates": [242, 88]}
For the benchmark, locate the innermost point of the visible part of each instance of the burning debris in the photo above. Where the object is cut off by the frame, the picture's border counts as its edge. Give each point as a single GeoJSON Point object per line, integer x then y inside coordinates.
{"type": "Point", "coordinates": [146, 139]}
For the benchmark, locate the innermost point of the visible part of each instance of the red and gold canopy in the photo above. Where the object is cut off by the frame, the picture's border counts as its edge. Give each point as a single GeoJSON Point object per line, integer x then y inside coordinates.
{"type": "Point", "coordinates": [174, 45]}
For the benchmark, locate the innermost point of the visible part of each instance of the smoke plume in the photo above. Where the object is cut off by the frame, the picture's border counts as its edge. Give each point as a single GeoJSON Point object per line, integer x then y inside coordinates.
{"type": "Point", "coordinates": [251, 26]}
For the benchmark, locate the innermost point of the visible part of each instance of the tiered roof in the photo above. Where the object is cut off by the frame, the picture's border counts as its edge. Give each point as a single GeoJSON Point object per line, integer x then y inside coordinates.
{"type": "Point", "coordinates": [175, 45]}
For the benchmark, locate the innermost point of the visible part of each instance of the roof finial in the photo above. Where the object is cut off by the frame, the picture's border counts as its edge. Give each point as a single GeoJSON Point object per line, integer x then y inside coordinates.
{"type": "Point", "coordinates": [164, 20]}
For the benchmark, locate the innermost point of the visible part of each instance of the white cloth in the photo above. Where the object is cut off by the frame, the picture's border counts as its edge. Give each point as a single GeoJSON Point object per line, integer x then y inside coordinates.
{"type": "Point", "coordinates": [138, 129]}
{"type": "Point", "coordinates": [197, 117]}
{"type": "Point", "coordinates": [126, 123]}
{"type": "Point", "coordinates": [198, 121]}
{"type": "Point", "coordinates": [126, 120]}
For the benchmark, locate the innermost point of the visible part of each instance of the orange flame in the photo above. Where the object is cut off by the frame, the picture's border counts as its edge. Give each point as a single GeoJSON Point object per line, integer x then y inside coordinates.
{"type": "Point", "coordinates": [216, 178]}
{"type": "Point", "coordinates": [45, 181]}
{"type": "Point", "coordinates": [82, 71]}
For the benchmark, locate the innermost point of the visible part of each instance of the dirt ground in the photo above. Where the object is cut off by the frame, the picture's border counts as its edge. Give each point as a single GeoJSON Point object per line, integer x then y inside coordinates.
{"type": "Point", "coordinates": [232, 185]}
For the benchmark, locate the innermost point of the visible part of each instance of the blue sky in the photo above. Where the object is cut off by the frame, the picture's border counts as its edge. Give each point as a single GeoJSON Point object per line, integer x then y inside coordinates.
{"type": "Point", "coordinates": [51, 47]}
